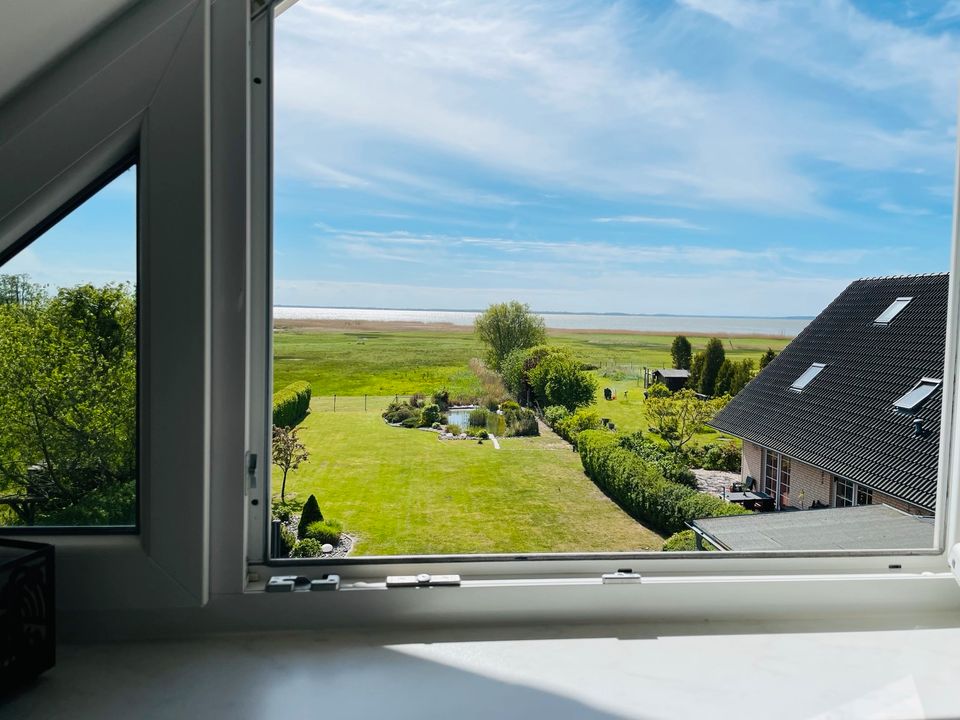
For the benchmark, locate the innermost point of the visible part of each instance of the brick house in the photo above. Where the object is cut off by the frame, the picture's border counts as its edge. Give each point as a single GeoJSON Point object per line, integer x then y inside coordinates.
{"type": "Point", "coordinates": [849, 413]}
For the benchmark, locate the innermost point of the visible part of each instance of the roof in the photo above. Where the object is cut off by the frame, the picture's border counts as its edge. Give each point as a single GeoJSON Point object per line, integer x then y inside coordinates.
{"type": "Point", "coordinates": [843, 421]}
{"type": "Point", "coordinates": [867, 527]}
{"type": "Point", "coordinates": [672, 373]}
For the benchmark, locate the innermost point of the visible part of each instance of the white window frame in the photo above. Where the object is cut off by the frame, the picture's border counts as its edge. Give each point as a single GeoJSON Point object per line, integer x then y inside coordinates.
{"type": "Point", "coordinates": [535, 567]}
{"type": "Point", "coordinates": [807, 377]}
{"type": "Point", "coordinates": [892, 310]}
{"type": "Point", "coordinates": [177, 79]}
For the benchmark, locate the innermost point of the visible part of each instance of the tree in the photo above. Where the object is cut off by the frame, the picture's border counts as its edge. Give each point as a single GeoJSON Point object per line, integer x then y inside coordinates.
{"type": "Point", "coordinates": [679, 417]}
{"type": "Point", "coordinates": [713, 357]}
{"type": "Point", "coordinates": [767, 357]}
{"type": "Point", "coordinates": [696, 371]}
{"type": "Point", "coordinates": [68, 404]}
{"type": "Point", "coordinates": [569, 386]}
{"type": "Point", "coordinates": [504, 327]}
{"type": "Point", "coordinates": [310, 514]}
{"type": "Point", "coordinates": [681, 351]}
{"type": "Point", "coordinates": [288, 453]}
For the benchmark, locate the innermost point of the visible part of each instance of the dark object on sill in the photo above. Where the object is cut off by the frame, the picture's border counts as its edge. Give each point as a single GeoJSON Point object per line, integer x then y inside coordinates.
{"type": "Point", "coordinates": [27, 613]}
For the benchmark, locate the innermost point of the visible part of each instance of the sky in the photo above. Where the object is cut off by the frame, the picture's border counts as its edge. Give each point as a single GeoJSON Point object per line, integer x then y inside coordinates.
{"type": "Point", "coordinates": [723, 157]}
{"type": "Point", "coordinates": [709, 157]}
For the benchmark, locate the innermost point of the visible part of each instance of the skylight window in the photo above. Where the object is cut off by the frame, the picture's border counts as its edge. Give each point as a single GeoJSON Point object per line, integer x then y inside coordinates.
{"type": "Point", "coordinates": [911, 401]}
{"type": "Point", "coordinates": [809, 374]}
{"type": "Point", "coordinates": [892, 311]}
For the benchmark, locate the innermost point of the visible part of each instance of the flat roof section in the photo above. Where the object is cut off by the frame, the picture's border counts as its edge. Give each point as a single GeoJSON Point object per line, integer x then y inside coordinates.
{"type": "Point", "coordinates": [867, 527]}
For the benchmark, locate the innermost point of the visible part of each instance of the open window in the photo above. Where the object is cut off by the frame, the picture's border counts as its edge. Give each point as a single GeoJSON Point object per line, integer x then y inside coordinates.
{"type": "Point", "coordinates": [68, 368]}
{"type": "Point", "coordinates": [419, 213]}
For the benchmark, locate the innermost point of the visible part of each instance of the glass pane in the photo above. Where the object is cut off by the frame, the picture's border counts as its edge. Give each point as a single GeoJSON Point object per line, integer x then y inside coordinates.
{"type": "Point", "coordinates": [911, 400]}
{"type": "Point", "coordinates": [68, 369]}
{"type": "Point", "coordinates": [891, 312]}
{"type": "Point", "coordinates": [545, 273]}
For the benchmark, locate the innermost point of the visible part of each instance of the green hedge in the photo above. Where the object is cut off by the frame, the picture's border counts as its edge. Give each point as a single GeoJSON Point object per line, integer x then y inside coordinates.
{"type": "Point", "coordinates": [640, 488]}
{"type": "Point", "coordinates": [291, 404]}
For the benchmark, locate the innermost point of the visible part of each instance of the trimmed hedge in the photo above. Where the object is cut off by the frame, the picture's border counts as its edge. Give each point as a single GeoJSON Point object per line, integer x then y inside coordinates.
{"type": "Point", "coordinates": [640, 488]}
{"type": "Point", "coordinates": [291, 404]}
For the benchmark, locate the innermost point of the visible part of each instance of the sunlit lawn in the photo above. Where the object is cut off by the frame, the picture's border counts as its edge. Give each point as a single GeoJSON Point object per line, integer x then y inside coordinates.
{"type": "Point", "coordinates": [404, 491]}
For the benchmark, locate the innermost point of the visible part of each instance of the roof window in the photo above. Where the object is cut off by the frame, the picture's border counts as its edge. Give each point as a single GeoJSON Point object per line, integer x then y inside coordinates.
{"type": "Point", "coordinates": [809, 374]}
{"type": "Point", "coordinates": [912, 400]}
{"type": "Point", "coordinates": [892, 311]}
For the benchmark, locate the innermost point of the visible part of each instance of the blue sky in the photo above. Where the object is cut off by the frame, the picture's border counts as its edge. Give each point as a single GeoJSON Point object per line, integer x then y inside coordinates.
{"type": "Point", "coordinates": [725, 157]}
{"type": "Point", "coordinates": [693, 157]}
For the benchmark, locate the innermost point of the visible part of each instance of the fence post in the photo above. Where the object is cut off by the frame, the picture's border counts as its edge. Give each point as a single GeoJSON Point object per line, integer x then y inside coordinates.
{"type": "Point", "coordinates": [334, 403]}
{"type": "Point", "coordinates": [364, 402]}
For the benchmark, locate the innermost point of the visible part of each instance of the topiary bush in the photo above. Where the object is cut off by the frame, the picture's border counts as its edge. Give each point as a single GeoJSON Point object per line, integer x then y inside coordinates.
{"type": "Point", "coordinates": [325, 531]}
{"type": "Point", "coordinates": [307, 548]}
{"type": "Point", "coordinates": [640, 488]}
{"type": "Point", "coordinates": [291, 404]}
{"type": "Point", "coordinates": [310, 514]}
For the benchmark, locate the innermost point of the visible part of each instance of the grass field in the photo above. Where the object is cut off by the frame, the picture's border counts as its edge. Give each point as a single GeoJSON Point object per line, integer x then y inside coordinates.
{"type": "Point", "coordinates": [404, 491]}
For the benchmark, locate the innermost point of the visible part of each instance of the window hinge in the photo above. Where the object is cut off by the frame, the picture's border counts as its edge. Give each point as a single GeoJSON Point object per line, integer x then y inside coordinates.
{"type": "Point", "coordinates": [623, 576]}
{"type": "Point", "coordinates": [252, 469]}
{"type": "Point", "coordinates": [423, 580]}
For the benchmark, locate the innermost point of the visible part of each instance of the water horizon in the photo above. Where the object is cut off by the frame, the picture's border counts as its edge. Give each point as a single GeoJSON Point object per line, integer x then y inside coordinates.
{"type": "Point", "coordinates": [786, 326]}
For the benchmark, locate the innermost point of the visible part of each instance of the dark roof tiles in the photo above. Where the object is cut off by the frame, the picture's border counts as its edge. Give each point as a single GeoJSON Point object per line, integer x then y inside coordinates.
{"type": "Point", "coordinates": [844, 421]}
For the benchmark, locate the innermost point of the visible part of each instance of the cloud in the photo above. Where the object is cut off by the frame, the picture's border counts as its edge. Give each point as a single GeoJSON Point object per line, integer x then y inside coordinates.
{"type": "Point", "coordinates": [668, 222]}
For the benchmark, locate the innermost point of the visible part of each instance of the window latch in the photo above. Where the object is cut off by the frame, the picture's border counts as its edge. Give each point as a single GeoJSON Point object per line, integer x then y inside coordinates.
{"type": "Point", "coordinates": [252, 469]}
{"type": "Point", "coordinates": [623, 576]}
{"type": "Point", "coordinates": [953, 558]}
{"type": "Point", "coordinates": [423, 580]}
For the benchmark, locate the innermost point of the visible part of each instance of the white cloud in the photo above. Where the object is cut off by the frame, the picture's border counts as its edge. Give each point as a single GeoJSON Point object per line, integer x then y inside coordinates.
{"type": "Point", "coordinates": [669, 222]}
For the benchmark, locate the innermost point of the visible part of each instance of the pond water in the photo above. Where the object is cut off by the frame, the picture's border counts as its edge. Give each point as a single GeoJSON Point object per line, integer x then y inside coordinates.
{"type": "Point", "coordinates": [460, 416]}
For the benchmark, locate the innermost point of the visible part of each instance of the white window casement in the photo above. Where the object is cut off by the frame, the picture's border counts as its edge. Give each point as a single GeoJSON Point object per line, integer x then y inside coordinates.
{"type": "Point", "coordinates": [776, 477]}
{"type": "Point", "coordinates": [185, 85]}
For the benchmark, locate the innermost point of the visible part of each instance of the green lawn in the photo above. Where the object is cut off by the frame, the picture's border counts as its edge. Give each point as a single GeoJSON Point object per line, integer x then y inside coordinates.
{"type": "Point", "coordinates": [406, 492]}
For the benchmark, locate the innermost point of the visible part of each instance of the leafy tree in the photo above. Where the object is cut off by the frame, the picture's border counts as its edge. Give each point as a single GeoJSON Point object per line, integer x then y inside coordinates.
{"type": "Point", "coordinates": [682, 352]}
{"type": "Point", "coordinates": [696, 371]}
{"type": "Point", "coordinates": [658, 390]}
{"type": "Point", "coordinates": [733, 376]}
{"type": "Point", "coordinates": [569, 386]}
{"type": "Point", "coordinates": [504, 327]}
{"type": "Point", "coordinates": [68, 404]}
{"type": "Point", "coordinates": [288, 453]}
{"type": "Point", "coordinates": [679, 417]}
{"type": "Point", "coordinates": [713, 357]}
{"type": "Point", "coordinates": [514, 374]}
{"type": "Point", "coordinates": [767, 357]}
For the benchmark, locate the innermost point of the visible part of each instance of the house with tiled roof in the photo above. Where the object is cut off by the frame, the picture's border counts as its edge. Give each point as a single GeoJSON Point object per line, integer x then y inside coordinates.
{"type": "Point", "coordinates": [849, 413]}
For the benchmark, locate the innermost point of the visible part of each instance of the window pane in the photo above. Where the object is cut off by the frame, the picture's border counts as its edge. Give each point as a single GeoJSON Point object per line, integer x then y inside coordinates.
{"type": "Point", "coordinates": [566, 277]}
{"type": "Point", "coordinates": [68, 369]}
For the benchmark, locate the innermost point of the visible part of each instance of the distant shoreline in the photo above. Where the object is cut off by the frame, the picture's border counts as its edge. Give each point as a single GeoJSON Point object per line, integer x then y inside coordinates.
{"type": "Point", "coordinates": [330, 325]}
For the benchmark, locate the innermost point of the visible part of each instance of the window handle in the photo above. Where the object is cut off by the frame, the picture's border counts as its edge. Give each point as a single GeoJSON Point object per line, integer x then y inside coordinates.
{"type": "Point", "coordinates": [252, 469]}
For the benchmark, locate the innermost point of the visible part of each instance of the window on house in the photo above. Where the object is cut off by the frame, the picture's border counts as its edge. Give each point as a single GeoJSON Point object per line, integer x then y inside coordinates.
{"type": "Point", "coordinates": [466, 320]}
{"type": "Point", "coordinates": [912, 400]}
{"type": "Point", "coordinates": [851, 494]}
{"type": "Point", "coordinates": [68, 369]}
{"type": "Point", "coordinates": [809, 374]}
{"type": "Point", "coordinates": [892, 311]}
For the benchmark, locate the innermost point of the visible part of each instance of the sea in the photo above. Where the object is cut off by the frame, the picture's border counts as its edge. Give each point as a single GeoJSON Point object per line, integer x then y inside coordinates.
{"type": "Point", "coordinates": [667, 324]}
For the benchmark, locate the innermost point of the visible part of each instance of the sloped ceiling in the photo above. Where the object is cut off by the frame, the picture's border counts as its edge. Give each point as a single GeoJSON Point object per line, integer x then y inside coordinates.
{"type": "Point", "coordinates": [36, 33]}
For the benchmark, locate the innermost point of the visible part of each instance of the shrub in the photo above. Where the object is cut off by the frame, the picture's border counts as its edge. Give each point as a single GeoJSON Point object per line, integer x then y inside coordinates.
{"type": "Point", "coordinates": [416, 400]}
{"type": "Point", "coordinates": [681, 541]}
{"type": "Point", "coordinates": [480, 433]}
{"type": "Point", "coordinates": [554, 414]}
{"type": "Point", "coordinates": [325, 531]}
{"type": "Point", "coordinates": [442, 398]}
{"type": "Point", "coordinates": [570, 427]}
{"type": "Point", "coordinates": [288, 540]}
{"type": "Point", "coordinates": [454, 429]}
{"type": "Point", "coordinates": [291, 404]}
{"type": "Point", "coordinates": [310, 514]}
{"type": "Point", "coordinates": [307, 548]}
{"type": "Point", "coordinates": [429, 415]}
{"type": "Point", "coordinates": [716, 456]}
{"type": "Point", "coordinates": [496, 424]}
{"type": "Point", "coordinates": [658, 390]}
{"type": "Point", "coordinates": [641, 489]}
{"type": "Point", "coordinates": [283, 511]}
{"type": "Point", "coordinates": [509, 405]}
{"type": "Point", "coordinates": [520, 422]}
{"type": "Point", "coordinates": [396, 413]}
{"type": "Point", "coordinates": [674, 465]}
{"type": "Point", "coordinates": [477, 418]}
{"type": "Point", "coordinates": [411, 422]}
